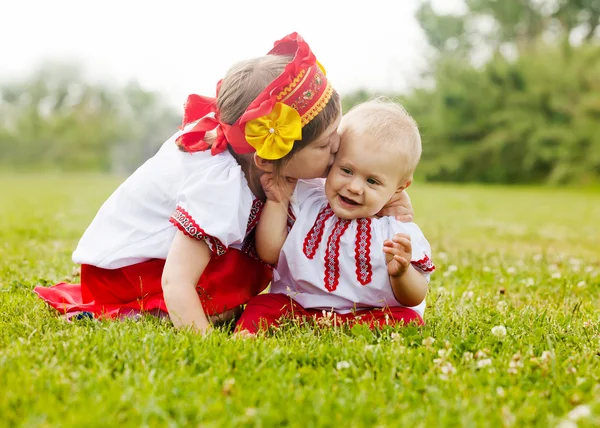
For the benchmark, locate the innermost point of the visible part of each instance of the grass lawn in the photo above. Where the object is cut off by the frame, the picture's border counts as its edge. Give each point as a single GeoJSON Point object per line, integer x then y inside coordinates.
{"type": "Point", "coordinates": [526, 259]}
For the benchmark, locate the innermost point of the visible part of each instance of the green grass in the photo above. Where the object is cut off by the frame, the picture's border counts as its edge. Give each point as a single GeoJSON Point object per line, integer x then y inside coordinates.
{"type": "Point", "coordinates": [523, 258]}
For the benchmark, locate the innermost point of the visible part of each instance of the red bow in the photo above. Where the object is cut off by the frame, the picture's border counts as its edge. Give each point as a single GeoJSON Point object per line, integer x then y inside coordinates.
{"type": "Point", "coordinates": [198, 108]}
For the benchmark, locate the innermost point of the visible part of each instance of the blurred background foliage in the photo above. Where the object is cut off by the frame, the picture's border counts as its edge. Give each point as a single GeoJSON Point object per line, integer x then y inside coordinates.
{"type": "Point", "coordinates": [511, 94]}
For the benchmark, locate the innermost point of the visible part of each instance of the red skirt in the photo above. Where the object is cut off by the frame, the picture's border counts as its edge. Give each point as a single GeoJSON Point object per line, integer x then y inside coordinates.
{"type": "Point", "coordinates": [228, 281]}
{"type": "Point", "coordinates": [268, 309]}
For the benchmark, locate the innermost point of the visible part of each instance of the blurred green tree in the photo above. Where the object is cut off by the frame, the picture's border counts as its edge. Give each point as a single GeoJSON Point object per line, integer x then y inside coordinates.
{"type": "Point", "coordinates": [55, 119]}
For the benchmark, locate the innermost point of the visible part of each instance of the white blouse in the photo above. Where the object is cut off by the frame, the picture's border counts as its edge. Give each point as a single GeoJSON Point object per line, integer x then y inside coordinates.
{"type": "Point", "coordinates": [205, 196]}
{"type": "Point", "coordinates": [334, 264]}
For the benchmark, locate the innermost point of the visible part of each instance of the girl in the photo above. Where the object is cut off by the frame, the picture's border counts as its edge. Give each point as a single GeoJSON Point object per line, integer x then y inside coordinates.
{"type": "Point", "coordinates": [178, 235]}
{"type": "Point", "coordinates": [340, 261]}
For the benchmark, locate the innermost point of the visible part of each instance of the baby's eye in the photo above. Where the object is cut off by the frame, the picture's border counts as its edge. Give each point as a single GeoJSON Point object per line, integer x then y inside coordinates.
{"type": "Point", "coordinates": [372, 181]}
{"type": "Point", "coordinates": [346, 170]}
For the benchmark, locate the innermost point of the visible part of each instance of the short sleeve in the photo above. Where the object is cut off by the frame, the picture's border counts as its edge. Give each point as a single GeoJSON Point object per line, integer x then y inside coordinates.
{"type": "Point", "coordinates": [214, 203]}
{"type": "Point", "coordinates": [421, 250]}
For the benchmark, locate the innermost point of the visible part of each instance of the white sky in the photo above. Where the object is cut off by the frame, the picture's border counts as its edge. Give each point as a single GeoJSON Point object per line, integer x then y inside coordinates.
{"type": "Point", "coordinates": [185, 46]}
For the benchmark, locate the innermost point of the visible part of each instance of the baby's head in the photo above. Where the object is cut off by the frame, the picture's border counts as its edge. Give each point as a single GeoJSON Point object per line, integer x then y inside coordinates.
{"type": "Point", "coordinates": [380, 149]}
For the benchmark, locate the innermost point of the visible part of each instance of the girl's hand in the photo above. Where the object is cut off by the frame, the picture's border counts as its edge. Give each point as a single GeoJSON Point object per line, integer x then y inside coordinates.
{"type": "Point", "coordinates": [400, 207]}
{"type": "Point", "coordinates": [398, 253]}
{"type": "Point", "coordinates": [278, 192]}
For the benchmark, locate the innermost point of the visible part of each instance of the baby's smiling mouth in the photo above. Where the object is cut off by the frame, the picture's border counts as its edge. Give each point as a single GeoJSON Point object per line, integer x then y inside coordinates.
{"type": "Point", "coordinates": [348, 201]}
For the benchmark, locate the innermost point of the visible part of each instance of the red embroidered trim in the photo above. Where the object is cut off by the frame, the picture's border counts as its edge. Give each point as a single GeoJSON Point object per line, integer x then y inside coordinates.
{"type": "Point", "coordinates": [424, 265]}
{"type": "Point", "coordinates": [257, 207]}
{"type": "Point", "coordinates": [313, 238]}
{"type": "Point", "coordinates": [332, 255]}
{"type": "Point", "coordinates": [291, 219]}
{"type": "Point", "coordinates": [362, 250]}
{"type": "Point", "coordinates": [184, 222]}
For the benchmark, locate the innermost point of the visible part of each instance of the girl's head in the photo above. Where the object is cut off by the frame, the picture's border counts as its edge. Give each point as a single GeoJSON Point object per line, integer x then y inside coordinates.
{"type": "Point", "coordinates": [278, 109]}
{"type": "Point", "coordinates": [310, 156]}
{"type": "Point", "coordinates": [381, 148]}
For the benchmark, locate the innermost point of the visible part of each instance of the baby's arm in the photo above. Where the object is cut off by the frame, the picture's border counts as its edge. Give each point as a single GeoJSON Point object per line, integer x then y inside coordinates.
{"type": "Point", "coordinates": [408, 284]}
{"type": "Point", "coordinates": [185, 263]}
{"type": "Point", "coordinates": [271, 230]}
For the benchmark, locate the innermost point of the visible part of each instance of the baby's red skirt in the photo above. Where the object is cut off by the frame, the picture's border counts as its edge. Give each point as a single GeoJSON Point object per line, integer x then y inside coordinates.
{"type": "Point", "coordinates": [228, 281]}
{"type": "Point", "coordinates": [269, 309]}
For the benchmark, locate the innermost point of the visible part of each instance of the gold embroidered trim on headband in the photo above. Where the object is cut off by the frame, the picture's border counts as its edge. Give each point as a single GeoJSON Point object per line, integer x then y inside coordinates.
{"type": "Point", "coordinates": [291, 86]}
{"type": "Point", "coordinates": [318, 106]}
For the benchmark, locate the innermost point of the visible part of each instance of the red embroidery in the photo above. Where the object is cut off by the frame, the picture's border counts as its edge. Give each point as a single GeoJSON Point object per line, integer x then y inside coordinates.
{"type": "Point", "coordinates": [424, 265]}
{"type": "Point", "coordinates": [257, 206]}
{"type": "Point", "coordinates": [332, 264]}
{"type": "Point", "coordinates": [362, 250]}
{"type": "Point", "coordinates": [313, 238]}
{"type": "Point", "coordinates": [291, 219]}
{"type": "Point", "coordinates": [184, 222]}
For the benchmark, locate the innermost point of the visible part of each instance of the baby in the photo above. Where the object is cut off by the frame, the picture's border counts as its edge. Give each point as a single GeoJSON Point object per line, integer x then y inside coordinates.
{"type": "Point", "coordinates": [340, 260]}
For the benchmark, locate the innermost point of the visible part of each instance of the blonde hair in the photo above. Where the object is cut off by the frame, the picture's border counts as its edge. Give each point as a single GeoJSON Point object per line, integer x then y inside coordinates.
{"type": "Point", "coordinates": [391, 126]}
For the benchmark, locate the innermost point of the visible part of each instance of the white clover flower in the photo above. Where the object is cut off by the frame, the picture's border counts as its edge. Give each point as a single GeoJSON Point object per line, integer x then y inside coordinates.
{"type": "Point", "coordinates": [480, 354]}
{"type": "Point", "coordinates": [468, 356]}
{"type": "Point", "coordinates": [556, 275]}
{"type": "Point", "coordinates": [499, 331]}
{"type": "Point", "coordinates": [511, 270]}
{"type": "Point", "coordinates": [546, 356]}
{"type": "Point", "coordinates": [580, 412]}
{"type": "Point", "coordinates": [529, 282]}
{"type": "Point", "coordinates": [444, 352]}
{"type": "Point", "coordinates": [581, 284]}
{"type": "Point", "coordinates": [342, 365]}
{"type": "Point", "coordinates": [452, 268]}
{"type": "Point", "coordinates": [501, 305]}
{"type": "Point", "coordinates": [428, 341]}
{"type": "Point", "coordinates": [484, 363]}
{"type": "Point", "coordinates": [447, 368]}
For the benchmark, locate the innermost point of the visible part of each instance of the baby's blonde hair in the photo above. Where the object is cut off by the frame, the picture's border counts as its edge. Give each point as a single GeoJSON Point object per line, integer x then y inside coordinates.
{"type": "Point", "coordinates": [391, 126]}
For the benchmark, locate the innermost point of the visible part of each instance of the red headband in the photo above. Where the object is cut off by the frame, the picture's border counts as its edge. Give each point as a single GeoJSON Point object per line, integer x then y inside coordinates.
{"type": "Point", "coordinates": [273, 121]}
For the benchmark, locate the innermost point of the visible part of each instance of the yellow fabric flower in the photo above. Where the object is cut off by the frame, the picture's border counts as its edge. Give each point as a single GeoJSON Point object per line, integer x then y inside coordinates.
{"type": "Point", "coordinates": [273, 135]}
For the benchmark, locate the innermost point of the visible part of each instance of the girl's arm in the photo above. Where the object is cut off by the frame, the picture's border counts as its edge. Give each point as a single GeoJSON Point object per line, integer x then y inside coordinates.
{"type": "Point", "coordinates": [408, 284]}
{"type": "Point", "coordinates": [185, 263]}
{"type": "Point", "coordinates": [271, 230]}
{"type": "Point", "coordinates": [400, 207]}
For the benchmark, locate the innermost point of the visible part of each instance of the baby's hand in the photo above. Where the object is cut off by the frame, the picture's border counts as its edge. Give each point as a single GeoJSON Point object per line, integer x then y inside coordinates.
{"type": "Point", "coordinates": [398, 253]}
{"type": "Point", "coordinates": [278, 193]}
{"type": "Point", "coordinates": [400, 207]}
